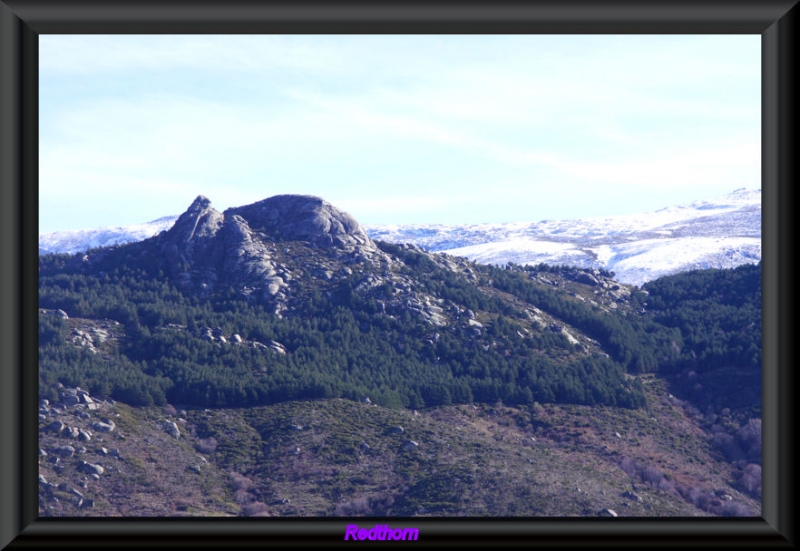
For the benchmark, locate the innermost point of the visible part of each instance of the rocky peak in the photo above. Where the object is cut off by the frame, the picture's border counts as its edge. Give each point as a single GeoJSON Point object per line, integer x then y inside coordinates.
{"type": "Point", "coordinates": [303, 218]}
{"type": "Point", "coordinates": [191, 243]}
{"type": "Point", "coordinates": [256, 248]}
{"type": "Point", "coordinates": [199, 221]}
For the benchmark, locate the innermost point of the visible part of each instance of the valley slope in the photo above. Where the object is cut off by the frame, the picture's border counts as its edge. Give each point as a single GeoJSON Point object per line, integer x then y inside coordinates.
{"type": "Point", "coordinates": [227, 332]}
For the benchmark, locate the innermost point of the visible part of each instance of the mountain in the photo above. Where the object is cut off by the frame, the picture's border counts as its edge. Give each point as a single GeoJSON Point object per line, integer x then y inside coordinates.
{"type": "Point", "coordinates": [78, 241]}
{"type": "Point", "coordinates": [319, 371]}
{"type": "Point", "coordinates": [352, 316]}
{"type": "Point", "coordinates": [720, 233]}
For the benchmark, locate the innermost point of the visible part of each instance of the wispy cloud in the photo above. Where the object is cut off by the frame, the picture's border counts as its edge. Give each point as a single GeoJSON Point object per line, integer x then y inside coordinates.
{"type": "Point", "coordinates": [394, 120]}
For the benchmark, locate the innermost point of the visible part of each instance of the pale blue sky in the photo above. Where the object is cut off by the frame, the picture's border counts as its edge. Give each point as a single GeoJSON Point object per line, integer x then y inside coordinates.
{"type": "Point", "coordinates": [394, 129]}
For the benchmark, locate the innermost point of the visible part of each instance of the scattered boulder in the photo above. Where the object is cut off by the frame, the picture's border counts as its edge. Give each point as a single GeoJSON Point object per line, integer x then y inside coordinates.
{"type": "Point", "coordinates": [587, 279]}
{"type": "Point", "coordinates": [172, 429]}
{"type": "Point", "coordinates": [410, 445]}
{"type": "Point", "coordinates": [56, 426]}
{"type": "Point", "coordinates": [107, 426]}
{"type": "Point", "coordinates": [91, 468]}
{"type": "Point", "coordinates": [64, 451]}
{"type": "Point", "coordinates": [275, 346]}
{"type": "Point", "coordinates": [70, 399]}
{"type": "Point", "coordinates": [630, 495]}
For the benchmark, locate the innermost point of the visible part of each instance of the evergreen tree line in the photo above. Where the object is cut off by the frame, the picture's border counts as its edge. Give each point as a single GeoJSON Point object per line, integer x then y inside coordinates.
{"type": "Point", "coordinates": [340, 347]}
{"type": "Point", "coordinates": [638, 343]}
{"type": "Point", "coordinates": [718, 313]}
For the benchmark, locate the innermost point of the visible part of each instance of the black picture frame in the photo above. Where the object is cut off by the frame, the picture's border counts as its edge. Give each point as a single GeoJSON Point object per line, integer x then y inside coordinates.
{"type": "Point", "coordinates": [21, 21]}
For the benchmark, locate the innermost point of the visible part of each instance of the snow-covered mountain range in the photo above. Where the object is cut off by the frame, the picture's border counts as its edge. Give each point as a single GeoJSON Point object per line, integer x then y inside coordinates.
{"type": "Point", "coordinates": [719, 233]}
{"type": "Point", "coordinates": [78, 241]}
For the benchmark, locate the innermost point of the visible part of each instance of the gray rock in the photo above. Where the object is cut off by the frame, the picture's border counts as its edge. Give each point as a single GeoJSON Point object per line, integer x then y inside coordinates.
{"type": "Point", "coordinates": [191, 240]}
{"type": "Point", "coordinates": [303, 218]}
{"type": "Point", "coordinates": [410, 445]}
{"type": "Point", "coordinates": [277, 347]}
{"type": "Point", "coordinates": [56, 426]}
{"type": "Point", "coordinates": [70, 399]}
{"type": "Point", "coordinates": [171, 428]}
{"type": "Point", "coordinates": [607, 513]}
{"type": "Point", "coordinates": [64, 451]}
{"type": "Point", "coordinates": [588, 279]}
{"type": "Point", "coordinates": [107, 426]}
{"type": "Point", "coordinates": [630, 495]}
{"type": "Point", "coordinates": [91, 468]}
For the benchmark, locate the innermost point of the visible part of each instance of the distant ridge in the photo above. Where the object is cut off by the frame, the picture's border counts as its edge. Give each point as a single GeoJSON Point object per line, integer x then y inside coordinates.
{"type": "Point", "coordinates": [719, 233]}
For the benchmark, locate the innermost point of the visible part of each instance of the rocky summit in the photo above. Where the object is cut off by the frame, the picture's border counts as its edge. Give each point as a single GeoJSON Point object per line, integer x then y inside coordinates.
{"type": "Point", "coordinates": [303, 218]}
{"type": "Point", "coordinates": [255, 248]}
